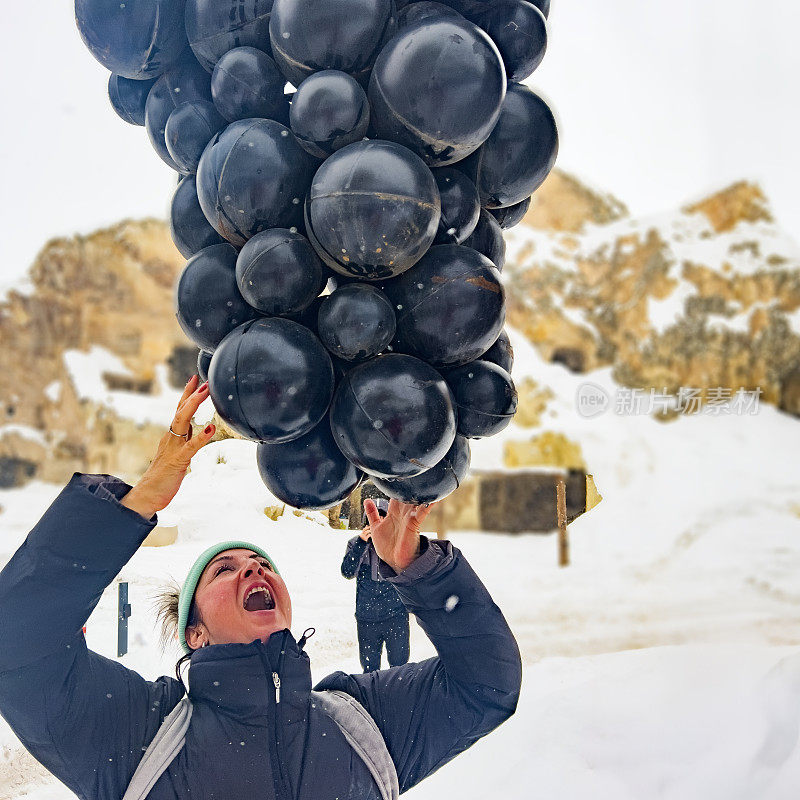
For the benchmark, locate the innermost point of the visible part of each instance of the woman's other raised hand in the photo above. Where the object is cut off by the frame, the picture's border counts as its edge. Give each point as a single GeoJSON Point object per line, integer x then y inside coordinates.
{"type": "Point", "coordinates": [396, 536]}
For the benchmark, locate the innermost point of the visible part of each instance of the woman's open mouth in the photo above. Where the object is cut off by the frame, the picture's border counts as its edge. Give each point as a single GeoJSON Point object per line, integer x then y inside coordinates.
{"type": "Point", "coordinates": [259, 598]}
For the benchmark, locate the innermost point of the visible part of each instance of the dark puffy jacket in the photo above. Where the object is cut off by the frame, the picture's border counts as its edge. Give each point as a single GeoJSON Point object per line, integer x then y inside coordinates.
{"type": "Point", "coordinates": [376, 600]}
{"type": "Point", "coordinates": [89, 719]}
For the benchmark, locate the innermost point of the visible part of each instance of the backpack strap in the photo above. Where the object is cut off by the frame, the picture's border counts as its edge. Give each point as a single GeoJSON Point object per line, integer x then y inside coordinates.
{"type": "Point", "coordinates": [168, 741]}
{"type": "Point", "coordinates": [364, 737]}
{"type": "Point", "coordinates": [352, 719]}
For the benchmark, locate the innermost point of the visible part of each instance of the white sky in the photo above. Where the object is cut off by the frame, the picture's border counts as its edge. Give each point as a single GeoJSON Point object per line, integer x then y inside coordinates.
{"type": "Point", "coordinates": [658, 103]}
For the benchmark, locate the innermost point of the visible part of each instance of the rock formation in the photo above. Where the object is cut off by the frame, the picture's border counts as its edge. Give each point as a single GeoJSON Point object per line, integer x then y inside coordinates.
{"type": "Point", "coordinates": [706, 297]}
{"type": "Point", "coordinates": [111, 291]}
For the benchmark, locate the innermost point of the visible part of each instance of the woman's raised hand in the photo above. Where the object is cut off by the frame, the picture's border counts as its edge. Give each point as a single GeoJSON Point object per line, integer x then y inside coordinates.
{"type": "Point", "coordinates": [163, 478]}
{"type": "Point", "coordinates": [396, 536]}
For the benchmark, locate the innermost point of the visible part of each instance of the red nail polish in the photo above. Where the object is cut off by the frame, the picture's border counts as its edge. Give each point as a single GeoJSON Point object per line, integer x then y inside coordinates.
{"type": "Point", "coordinates": [204, 387]}
{"type": "Point", "coordinates": [208, 429]}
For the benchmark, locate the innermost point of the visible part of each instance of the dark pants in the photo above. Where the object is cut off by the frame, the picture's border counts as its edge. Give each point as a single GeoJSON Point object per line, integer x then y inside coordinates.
{"type": "Point", "coordinates": [371, 636]}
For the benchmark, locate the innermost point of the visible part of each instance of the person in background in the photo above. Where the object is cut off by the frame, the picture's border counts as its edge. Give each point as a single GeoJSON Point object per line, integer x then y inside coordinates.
{"type": "Point", "coordinates": [381, 616]}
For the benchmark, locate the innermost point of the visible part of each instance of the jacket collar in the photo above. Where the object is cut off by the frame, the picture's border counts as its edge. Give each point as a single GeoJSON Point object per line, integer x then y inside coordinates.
{"type": "Point", "coordinates": [237, 679]}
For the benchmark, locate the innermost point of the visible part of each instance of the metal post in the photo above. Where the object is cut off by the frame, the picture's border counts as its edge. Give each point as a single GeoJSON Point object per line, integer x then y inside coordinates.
{"type": "Point", "coordinates": [563, 541]}
{"type": "Point", "coordinates": [124, 611]}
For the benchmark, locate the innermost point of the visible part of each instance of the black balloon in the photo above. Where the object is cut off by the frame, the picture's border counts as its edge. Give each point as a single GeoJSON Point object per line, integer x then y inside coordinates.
{"type": "Point", "coordinates": [209, 304]}
{"type": "Point", "coordinates": [487, 239]}
{"type": "Point", "coordinates": [246, 83]}
{"type": "Point", "coordinates": [182, 84]}
{"type": "Point", "coordinates": [418, 12]}
{"type": "Point", "coordinates": [271, 380]}
{"type": "Point", "coordinates": [519, 154]}
{"type": "Point", "coordinates": [253, 176]}
{"type": "Point", "coordinates": [484, 396]}
{"type": "Point", "coordinates": [510, 216]}
{"type": "Point", "coordinates": [374, 210]}
{"type": "Point", "coordinates": [450, 307]}
{"type": "Point", "coordinates": [128, 97]}
{"type": "Point", "coordinates": [189, 129]}
{"type": "Point", "coordinates": [393, 416]}
{"type": "Point", "coordinates": [501, 353]}
{"type": "Point", "coordinates": [137, 39]}
{"type": "Point", "coordinates": [438, 89]}
{"type": "Point", "coordinates": [216, 26]}
{"type": "Point", "coordinates": [190, 229]}
{"type": "Point", "coordinates": [311, 35]}
{"type": "Point", "coordinates": [203, 363]}
{"type": "Point", "coordinates": [310, 472]}
{"type": "Point", "coordinates": [460, 206]}
{"type": "Point", "coordinates": [278, 272]}
{"type": "Point", "coordinates": [519, 30]}
{"type": "Point", "coordinates": [329, 111]}
{"type": "Point", "coordinates": [435, 484]}
{"type": "Point", "coordinates": [356, 322]}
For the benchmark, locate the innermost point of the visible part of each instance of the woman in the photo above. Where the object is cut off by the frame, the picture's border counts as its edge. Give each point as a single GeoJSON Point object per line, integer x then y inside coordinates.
{"type": "Point", "coordinates": [255, 731]}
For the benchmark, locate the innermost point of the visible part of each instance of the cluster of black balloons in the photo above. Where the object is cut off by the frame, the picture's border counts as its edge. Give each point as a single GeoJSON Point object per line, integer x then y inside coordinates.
{"type": "Point", "coordinates": [344, 239]}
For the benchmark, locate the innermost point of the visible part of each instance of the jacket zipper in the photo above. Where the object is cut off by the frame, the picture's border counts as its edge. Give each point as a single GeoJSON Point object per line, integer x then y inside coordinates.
{"type": "Point", "coordinates": [282, 789]}
{"type": "Point", "coordinates": [276, 679]}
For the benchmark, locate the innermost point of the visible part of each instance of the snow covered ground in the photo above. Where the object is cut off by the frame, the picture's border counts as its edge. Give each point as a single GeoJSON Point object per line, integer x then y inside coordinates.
{"type": "Point", "coordinates": [664, 663]}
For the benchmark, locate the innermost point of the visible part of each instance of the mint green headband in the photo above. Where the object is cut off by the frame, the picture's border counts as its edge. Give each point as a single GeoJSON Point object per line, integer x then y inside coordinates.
{"type": "Point", "coordinates": [190, 584]}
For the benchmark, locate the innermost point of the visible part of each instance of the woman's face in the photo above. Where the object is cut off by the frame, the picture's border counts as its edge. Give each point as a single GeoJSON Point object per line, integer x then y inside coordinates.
{"type": "Point", "coordinates": [240, 599]}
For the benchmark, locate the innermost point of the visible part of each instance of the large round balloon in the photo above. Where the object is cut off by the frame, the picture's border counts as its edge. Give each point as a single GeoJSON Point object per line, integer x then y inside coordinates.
{"type": "Point", "coordinates": [329, 111]}
{"type": "Point", "coordinates": [501, 353]}
{"type": "Point", "coordinates": [374, 209]}
{"type": "Point", "coordinates": [128, 97]}
{"type": "Point", "coordinates": [510, 216]}
{"type": "Point", "coordinates": [519, 30]}
{"type": "Point", "coordinates": [487, 238]}
{"type": "Point", "coordinates": [189, 129]}
{"type": "Point", "coordinates": [182, 84]}
{"type": "Point", "coordinates": [278, 272]}
{"type": "Point", "coordinates": [136, 39]}
{"type": "Point", "coordinates": [450, 308]}
{"type": "Point", "coordinates": [271, 380]}
{"type": "Point", "coordinates": [208, 302]}
{"type": "Point", "coordinates": [247, 84]}
{"type": "Point", "coordinates": [434, 484]}
{"type": "Point", "coordinates": [485, 398]}
{"type": "Point", "coordinates": [310, 472]}
{"type": "Point", "coordinates": [519, 154]}
{"type": "Point", "coordinates": [216, 26]}
{"type": "Point", "coordinates": [356, 322]}
{"type": "Point", "coordinates": [190, 229]}
{"type": "Point", "coordinates": [460, 206]}
{"type": "Point", "coordinates": [424, 10]}
{"type": "Point", "coordinates": [393, 416]}
{"type": "Point", "coordinates": [311, 35]}
{"type": "Point", "coordinates": [253, 176]}
{"type": "Point", "coordinates": [438, 88]}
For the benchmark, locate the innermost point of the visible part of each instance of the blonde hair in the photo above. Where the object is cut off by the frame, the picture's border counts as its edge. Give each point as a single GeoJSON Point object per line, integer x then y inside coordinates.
{"type": "Point", "coordinates": [165, 604]}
